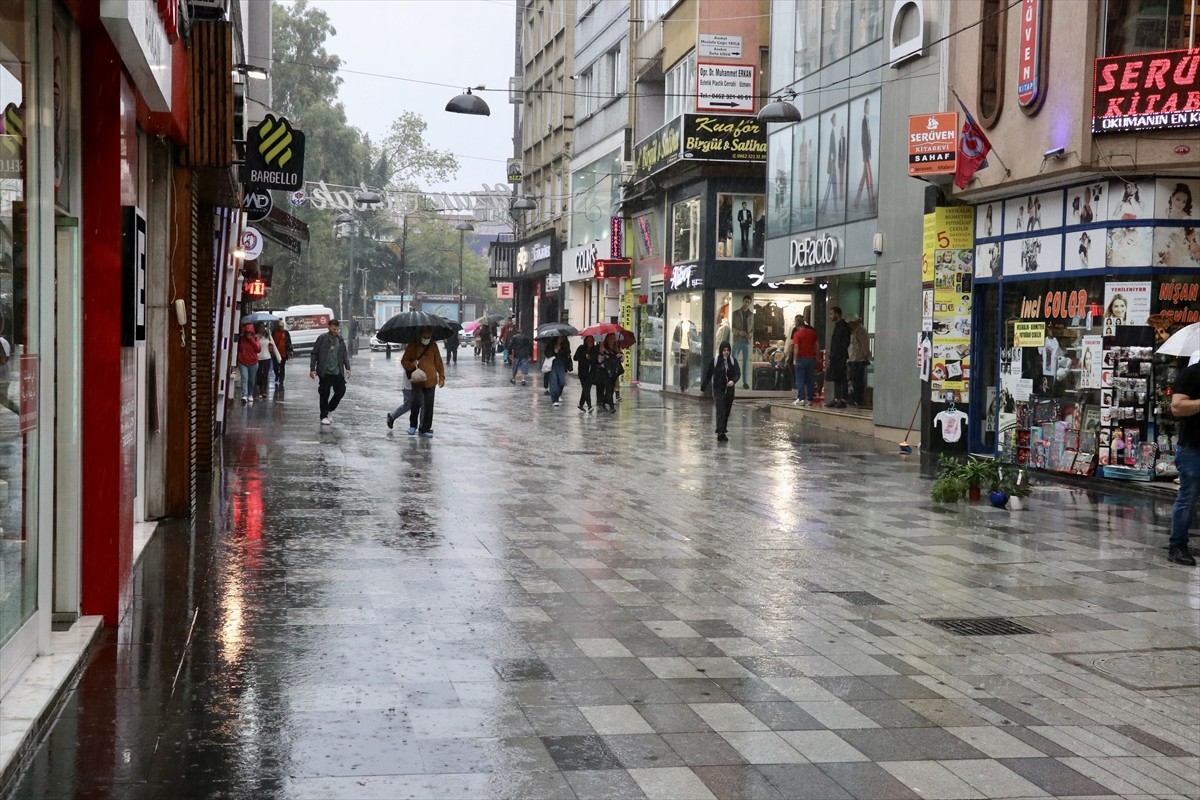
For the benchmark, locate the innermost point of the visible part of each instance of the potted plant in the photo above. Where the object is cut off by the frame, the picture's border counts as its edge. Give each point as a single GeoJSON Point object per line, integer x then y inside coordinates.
{"type": "Point", "coordinates": [950, 485]}
{"type": "Point", "coordinates": [1016, 483]}
{"type": "Point", "coordinates": [977, 472]}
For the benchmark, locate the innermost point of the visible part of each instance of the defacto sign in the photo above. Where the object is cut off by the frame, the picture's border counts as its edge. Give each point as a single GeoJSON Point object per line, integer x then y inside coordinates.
{"type": "Point", "coordinates": [932, 144]}
{"type": "Point", "coordinates": [725, 87]}
{"type": "Point", "coordinates": [812, 252]}
{"type": "Point", "coordinates": [1147, 91]}
{"type": "Point", "coordinates": [724, 137]}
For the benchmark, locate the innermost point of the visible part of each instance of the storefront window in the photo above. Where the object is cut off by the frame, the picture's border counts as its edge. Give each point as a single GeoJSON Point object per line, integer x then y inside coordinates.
{"type": "Point", "coordinates": [685, 321]}
{"type": "Point", "coordinates": [808, 167]}
{"type": "Point", "coordinates": [779, 168]}
{"type": "Point", "coordinates": [1147, 26]}
{"type": "Point", "coordinates": [650, 339]}
{"type": "Point", "coordinates": [741, 225]}
{"type": "Point", "coordinates": [685, 218]}
{"type": "Point", "coordinates": [595, 193]}
{"type": "Point", "coordinates": [758, 326]}
{"type": "Point", "coordinates": [18, 544]}
{"type": "Point", "coordinates": [836, 39]}
{"type": "Point", "coordinates": [783, 23]}
{"type": "Point", "coordinates": [868, 22]}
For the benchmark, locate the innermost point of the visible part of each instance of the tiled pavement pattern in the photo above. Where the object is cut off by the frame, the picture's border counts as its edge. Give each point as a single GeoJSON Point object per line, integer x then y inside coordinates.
{"type": "Point", "coordinates": [543, 604]}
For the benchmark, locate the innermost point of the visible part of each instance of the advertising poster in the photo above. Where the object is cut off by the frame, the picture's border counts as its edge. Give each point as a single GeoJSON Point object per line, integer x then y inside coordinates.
{"type": "Point", "coordinates": [1087, 204]}
{"type": "Point", "coordinates": [1130, 200]}
{"type": "Point", "coordinates": [927, 310]}
{"type": "Point", "coordinates": [806, 169]}
{"type": "Point", "coordinates": [1091, 362]}
{"type": "Point", "coordinates": [1130, 247]}
{"type": "Point", "coordinates": [1177, 199]}
{"type": "Point", "coordinates": [779, 171]}
{"type": "Point", "coordinates": [831, 167]}
{"type": "Point", "coordinates": [1176, 247]}
{"type": "Point", "coordinates": [924, 355]}
{"type": "Point", "coordinates": [1034, 212]}
{"type": "Point", "coordinates": [1036, 254]}
{"type": "Point", "coordinates": [987, 220]}
{"type": "Point", "coordinates": [1084, 249]}
{"type": "Point", "coordinates": [862, 192]}
{"type": "Point", "coordinates": [741, 226]}
{"type": "Point", "coordinates": [989, 261]}
{"type": "Point", "coordinates": [1125, 304]}
{"type": "Point", "coordinates": [949, 234]}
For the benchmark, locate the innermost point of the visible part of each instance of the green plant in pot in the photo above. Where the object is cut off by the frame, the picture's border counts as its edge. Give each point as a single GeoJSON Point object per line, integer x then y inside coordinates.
{"type": "Point", "coordinates": [978, 472]}
{"type": "Point", "coordinates": [1014, 480]}
{"type": "Point", "coordinates": [950, 485]}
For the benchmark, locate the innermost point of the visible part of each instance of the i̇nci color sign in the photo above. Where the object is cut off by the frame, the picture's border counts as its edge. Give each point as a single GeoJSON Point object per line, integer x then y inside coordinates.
{"type": "Point", "coordinates": [1147, 91]}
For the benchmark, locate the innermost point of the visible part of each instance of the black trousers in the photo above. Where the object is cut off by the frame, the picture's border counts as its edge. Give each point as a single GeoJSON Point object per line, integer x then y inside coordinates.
{"type": "Point", "coordinates": [280, 371]}
{"type": "Point", "coordinates": [263, 379]}
{"type": "Point", "coordinates": [858, 381]}
{"type": "Point", "coordinates": [451, 355]}
{"type": "Point", "coordinates": [585, 396]}
{"type": "Point", "coordinates": [724, 402]}
{"type": "Point", "coordinates": [336, 383]}
{"type": "Point", "coordinates": [421, 415]}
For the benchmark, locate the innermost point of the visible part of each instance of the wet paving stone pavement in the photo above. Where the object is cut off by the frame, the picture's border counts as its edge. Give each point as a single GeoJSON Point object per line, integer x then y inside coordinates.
{"type": "Point", "coordinates": [538, 603]}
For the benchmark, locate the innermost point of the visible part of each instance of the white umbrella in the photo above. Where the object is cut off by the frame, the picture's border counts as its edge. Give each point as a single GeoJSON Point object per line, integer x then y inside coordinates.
{"type": "Point", "coordinates": [1183, 342]}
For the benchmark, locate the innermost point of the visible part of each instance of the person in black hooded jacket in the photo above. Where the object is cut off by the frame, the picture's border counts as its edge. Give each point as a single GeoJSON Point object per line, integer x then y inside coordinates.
{"type": "Point", "coordinates": [585, 355]}
{"type": "Point", "coordinates": [721, 377]}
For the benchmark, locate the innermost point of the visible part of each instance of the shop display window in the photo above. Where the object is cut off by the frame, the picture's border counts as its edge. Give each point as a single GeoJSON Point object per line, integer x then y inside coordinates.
{"type": "Point", "coordinates": [684, 326]}
{"type": "Point", "coordinates": [685, 236]}
{"type": "Point", "coordinates": [741, 225]}
{"type": "Point", "coordinates": [758, 327]}
{"type": "Point", "coordinates": [650, 339]}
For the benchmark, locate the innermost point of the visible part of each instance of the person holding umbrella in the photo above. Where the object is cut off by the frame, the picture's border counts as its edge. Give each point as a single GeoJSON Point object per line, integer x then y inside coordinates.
{"type": "Point", "coordinates": [721, 377]}
{"type": "Point", "coordinates": [283, 343]}
{"type": "Point", "coordinates": [422, 361]}
{"type": "Point", "coordinates": [585, 354]}
{"type": "Point", "coordinates": [609, 361]}
{"type": "Point", "coordinates": [268, 354]}
{"type": "Point", "coordinates": [483, 335]}
{"type": "Point", "coordinates": [247, 361]}
{"type": "Point", "coordinates": [558, 353]}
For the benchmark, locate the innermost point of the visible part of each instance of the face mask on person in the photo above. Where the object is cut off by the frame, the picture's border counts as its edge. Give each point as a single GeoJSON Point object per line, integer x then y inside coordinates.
{"type": "Point", "coordinates": [426, 340]}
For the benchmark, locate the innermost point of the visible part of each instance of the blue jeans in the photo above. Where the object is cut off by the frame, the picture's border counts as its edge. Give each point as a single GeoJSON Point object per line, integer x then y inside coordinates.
{"type": "Point", "coordinates": [741, 351]}
{"type": "Point", "coordinates": [249, 376]}
{"type": "Point", "coordinates": [806, 370]}
{"type": "Point", "coordinates": [1187, 460]}
{"type": "Point", "coordinates": [558, 380]}
{"type": "Point", "coordinates": [520, 364]}
{"type": "Point", "coordinates": [404, 407]}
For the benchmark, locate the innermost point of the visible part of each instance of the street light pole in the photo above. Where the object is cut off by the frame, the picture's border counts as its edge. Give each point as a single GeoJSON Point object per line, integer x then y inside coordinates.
{"type": "Point", "coordinates": [462, 228]}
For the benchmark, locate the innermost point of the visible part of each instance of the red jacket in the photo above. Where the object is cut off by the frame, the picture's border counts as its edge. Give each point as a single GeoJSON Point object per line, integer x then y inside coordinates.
{"type": "Point", "coordinates": [248, 348]}
{"type": "Point", "coordinates": [805, 343]}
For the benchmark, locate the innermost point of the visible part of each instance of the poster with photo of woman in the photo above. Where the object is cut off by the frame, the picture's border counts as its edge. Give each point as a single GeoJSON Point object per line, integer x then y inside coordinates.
{"type": "Point", "coordinates": [987, 220]}
{"type": "Point", "coordinates": [1030, 213]}
{"type": "Point", "coordinates": [862, 191]}
{"type": "Point", "coordinates": [1085, 249]}
{"type": "Point", "coordinates": [1130, 200]}
{"type": "Point", "coordinates": [781, 177]}
{"type": "Point", "coordinates": [1178, 199]}
{"type": "Point", "coordinates": [1130, 247]}
{"type": "Point", "coordinates": [1125, 304]}
{"type": "Point", "coordinates": [1087, 204]}
{"type": "Point", "coordinates": [1034, 254]}
{"type": "Point", "coordinates": [988, 261]}
{"type": "Point", "coordinates": [741, 226]}
{"type": "Point", "coordinates": [806, 171]}
{"type": "Point", "coordinates": [1177, 247]}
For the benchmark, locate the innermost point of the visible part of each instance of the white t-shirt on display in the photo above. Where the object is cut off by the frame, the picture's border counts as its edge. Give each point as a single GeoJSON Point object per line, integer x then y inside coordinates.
{"type": "Point", "coordinates": [952, 422]}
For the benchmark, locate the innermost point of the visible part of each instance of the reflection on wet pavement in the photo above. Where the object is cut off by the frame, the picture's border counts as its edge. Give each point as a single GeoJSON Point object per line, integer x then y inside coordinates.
{"type": "Point", "coordinates": [540, 603]}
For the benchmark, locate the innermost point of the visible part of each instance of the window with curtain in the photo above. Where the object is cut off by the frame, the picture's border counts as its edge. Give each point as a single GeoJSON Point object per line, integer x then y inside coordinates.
{"type": "Point", "coordinates": [681, 87]}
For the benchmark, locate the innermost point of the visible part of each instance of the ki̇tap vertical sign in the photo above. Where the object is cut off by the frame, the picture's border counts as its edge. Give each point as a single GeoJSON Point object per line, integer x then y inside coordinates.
{"type": "Point", "coordinates": [1031, 55]}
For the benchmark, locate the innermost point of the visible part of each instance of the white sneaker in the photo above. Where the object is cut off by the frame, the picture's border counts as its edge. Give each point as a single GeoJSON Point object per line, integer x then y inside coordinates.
{"type": "Point", "coordinates": [329, 416]}
{"type": "Point", "coordinates": [326, 421]}
{"type": "Point", "coordinates": [249, 401]}
{"type": "Point", "coordinates": [797, 402]}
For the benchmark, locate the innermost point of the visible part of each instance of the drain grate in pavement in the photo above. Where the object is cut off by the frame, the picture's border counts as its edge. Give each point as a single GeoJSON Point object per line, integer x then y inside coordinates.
{"type": "Point", "coordinates": [981, 626]}
{"type": "Point", "coordinates": [860, 598]}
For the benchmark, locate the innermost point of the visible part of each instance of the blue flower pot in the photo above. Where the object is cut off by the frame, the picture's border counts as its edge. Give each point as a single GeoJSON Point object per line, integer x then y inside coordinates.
{"type": "Point", "coordinates": [998, 499]}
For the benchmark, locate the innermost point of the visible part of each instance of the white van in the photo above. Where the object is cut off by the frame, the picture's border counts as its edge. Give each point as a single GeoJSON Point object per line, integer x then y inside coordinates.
{"type": "Point", "coordinates": [306, 323]}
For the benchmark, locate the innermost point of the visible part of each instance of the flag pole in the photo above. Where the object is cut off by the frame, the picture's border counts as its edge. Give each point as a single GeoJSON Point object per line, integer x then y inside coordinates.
{"type": "Point", "coordinates": [1007, 171]}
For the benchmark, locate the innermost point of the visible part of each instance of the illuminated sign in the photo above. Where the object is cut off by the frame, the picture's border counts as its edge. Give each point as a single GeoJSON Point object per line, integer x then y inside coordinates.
{"type": "Point", "coordinates": [616, 242]}
{"type": "Point", "coordinates": [814, 252]}
{"type": "Point", "coordinates": [256, 288]}
{"type": "Point", "coordinates": [1147, 91]}
{"type": "Point", "coordinates": [1029, 60]}
{"type": "Point", "coordinates": [932, 144]}
{"type": "Point", "coordinates": [614, 268]}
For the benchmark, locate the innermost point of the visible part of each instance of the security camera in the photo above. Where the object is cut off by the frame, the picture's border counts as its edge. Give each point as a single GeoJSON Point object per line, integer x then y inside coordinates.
{"type": "Point", "coordinates": [1057, 152]}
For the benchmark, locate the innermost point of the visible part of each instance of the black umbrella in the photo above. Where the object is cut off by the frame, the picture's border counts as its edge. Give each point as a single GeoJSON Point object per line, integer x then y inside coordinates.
{"type": "Point", "coordinates": [554, 329]}
{"type": "Point", "coordinates": [406, 327]}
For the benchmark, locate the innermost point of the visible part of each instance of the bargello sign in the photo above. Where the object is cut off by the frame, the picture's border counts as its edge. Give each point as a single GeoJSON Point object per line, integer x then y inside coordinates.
{"type": "Point", "coordinates": [1147, 91]}
{"type": "Point", "coordinates": [813, 251]}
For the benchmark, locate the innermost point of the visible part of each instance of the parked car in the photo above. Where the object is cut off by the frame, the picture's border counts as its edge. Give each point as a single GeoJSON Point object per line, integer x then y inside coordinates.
{"type": "Point", "coordinates": [466, 339]}
{"type": "Point", "coordinates": [378, 345]}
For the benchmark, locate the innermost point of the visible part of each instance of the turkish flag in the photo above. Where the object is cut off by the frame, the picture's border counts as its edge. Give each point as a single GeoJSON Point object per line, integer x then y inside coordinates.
{"type": "Point", "coordinates": [973, 147]}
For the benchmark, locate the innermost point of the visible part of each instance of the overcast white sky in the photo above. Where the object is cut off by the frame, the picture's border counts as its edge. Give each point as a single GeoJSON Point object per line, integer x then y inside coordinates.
{"type": "Point", "coordinates": [459, 43]}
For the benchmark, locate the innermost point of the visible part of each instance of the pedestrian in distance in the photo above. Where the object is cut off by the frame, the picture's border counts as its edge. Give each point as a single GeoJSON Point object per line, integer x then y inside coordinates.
{"type": "Point", "coordinates": [268, 354]}
{"type": "Point", "coordinates": [608, 359]}
{"type": "Point", "coordinates": [423, 362]}
{"type": "Point", "coordinates": [858, 357]}
{"type": "Point", "coordinates": [805, 345]}
{"type": "Point", "coordinates": [247, 361]}
{"type": "Point", "coordinates": [330, 363]}
{"type": "Point", "coordinates": [521, 348]}
{"type": "Point", "coordinates": [283, 343]}
{"type": "Point", "coordinates": [720, 378]}
{"type": "Point", "coordinates": [487, 346]}
{"type": "Point", "coordinates": [1185, 407]}
{"type": "Point", "coordinates": [839, 353]}
{"type": "Point", "coordinates": [558, 352]}
{"type": "Point", "coordinates": [585, 356]}
{"type": "Point", "coordinates": [405, 407]}
{"type": "Point", "coordinates": [506, 333]}
{"type": "Point", "coordinates": [452, 348]}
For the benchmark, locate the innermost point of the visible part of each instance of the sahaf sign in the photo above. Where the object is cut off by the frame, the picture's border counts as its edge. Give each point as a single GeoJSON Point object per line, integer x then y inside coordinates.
{"type": "Point", "coordinates": [932, 144]}
{"type": "Point", "coordinates": [1147, 91]}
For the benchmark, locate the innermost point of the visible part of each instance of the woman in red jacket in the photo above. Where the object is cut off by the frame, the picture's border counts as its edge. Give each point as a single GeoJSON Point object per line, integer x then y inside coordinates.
{"type": "Point", "coordinates": [248, 362]}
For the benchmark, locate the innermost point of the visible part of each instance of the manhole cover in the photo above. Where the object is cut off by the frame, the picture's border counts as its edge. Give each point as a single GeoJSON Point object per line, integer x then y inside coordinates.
{"type": "Point", "coordinates": [1145, 669]}
{"type": "Point", "coordinates": [981, 626]}
{"type": "Point", "coordinates": [859, 598]}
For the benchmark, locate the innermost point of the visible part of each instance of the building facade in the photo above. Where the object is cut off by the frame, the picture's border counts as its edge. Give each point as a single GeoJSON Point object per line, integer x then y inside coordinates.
{"type": "Point", "coordinates": [1086, 254]}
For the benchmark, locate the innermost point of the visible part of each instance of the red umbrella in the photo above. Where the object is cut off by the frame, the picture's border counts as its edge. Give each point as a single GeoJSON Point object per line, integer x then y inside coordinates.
{"type": "Point", "coordinates": [625, 339]}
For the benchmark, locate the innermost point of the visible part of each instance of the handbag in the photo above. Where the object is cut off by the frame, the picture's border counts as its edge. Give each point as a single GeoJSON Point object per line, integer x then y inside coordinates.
{"type": "Point", "coordinates": [547, 364]}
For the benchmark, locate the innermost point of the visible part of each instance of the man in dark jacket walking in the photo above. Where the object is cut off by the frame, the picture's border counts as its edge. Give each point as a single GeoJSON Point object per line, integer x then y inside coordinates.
{"type": "Point", "coordinates": [839, 353]}
{"type": "Point", "coordinates": [330, 362]}
{"type": "Point", "coordinates": [721, 377]}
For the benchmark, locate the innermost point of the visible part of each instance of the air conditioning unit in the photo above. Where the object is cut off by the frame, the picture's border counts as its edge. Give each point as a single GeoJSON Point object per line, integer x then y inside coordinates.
{"type": "Point", "coordinates": [208, 9]}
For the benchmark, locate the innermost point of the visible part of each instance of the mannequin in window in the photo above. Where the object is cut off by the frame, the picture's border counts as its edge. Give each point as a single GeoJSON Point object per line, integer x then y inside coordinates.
{"type": "Point", "coordinates": [743, 332]}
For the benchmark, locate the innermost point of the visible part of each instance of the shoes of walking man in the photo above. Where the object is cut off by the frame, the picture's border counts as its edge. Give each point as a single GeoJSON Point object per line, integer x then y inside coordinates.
{"type": "Point", "coordinates": [1181, 555]}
